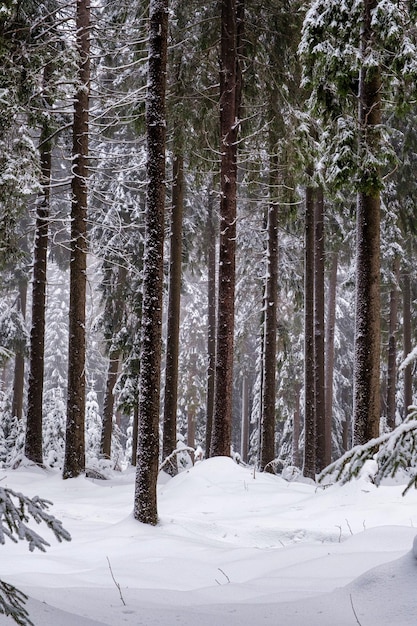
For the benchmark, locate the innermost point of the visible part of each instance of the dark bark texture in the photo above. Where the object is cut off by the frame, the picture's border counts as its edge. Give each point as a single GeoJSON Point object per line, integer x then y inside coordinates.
{"type": "Point", "coordinates": [222, 422]}
{"type": "Point", "coordinates": [270, 342]}
{"type": "Point", "coordinates": [169, 441]}
{"type": "Point", "coordinates": [392, 348]}
{"type": "Point", "coordinates": [33, 435]}
{"type": "Point", "coordinates": [211, 319]}
{"type": "Point", "coordinates": [407, 342]}
{"type": "Point", "coordinates": [74, 462]}
{"type": "Point", "coordinates": [366, 409]}
{"type": "Point", "coordinates": [329, 343]}
{"type": "Point", "coordinates": [19, 362]}
{"type": "Point", "coordinates": [145, 505]}
{"type": "Point", "coordinates": [309, 465]}
{"type": "Point", "coordinates": [323, 434]}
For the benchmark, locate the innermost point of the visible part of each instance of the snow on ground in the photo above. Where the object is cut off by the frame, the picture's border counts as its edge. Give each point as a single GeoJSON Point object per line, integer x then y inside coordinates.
{"type": "Point", "coordinates": [232, 548]}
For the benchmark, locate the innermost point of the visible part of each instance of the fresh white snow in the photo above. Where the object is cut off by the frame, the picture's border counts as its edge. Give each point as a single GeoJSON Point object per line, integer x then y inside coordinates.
{"type": "Point", "coordinates": [233, 547]}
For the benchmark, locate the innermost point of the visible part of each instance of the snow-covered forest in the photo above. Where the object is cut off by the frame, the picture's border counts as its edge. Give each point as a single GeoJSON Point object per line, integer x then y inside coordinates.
{"type": "Point", "coordinates": [207, 224]}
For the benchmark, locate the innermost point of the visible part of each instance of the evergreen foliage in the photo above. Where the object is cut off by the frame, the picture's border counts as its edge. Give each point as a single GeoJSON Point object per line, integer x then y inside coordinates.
{"type": "Point", "coordinates": [391, 452]}
{"type": "Point", "coordinates": [16, 511]}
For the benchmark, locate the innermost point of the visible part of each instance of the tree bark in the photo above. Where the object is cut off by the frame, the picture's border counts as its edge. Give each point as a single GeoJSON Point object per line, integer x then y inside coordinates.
{"type": "Point", "coordinates": [74, 462]}
{"type": "Point", "coordinates": [407, 343]}
{"type": "Point", "coordinates": [19, 363]}
{"type": "Point", "coordinates": [296, 461]}
{"type": "Point", "coordinates": [392, 348]}
{"type": "Point", "coordinates": [108, 405]}
{"type": "Point", "coordinates": [169, 441]}
{"type": "Point", "coordinates": [145, 504]}
{"type": "Point", "coordinates": [323, 434]}
{"type": "Point", "coordinates": [222, 422]}
{"type": "Point", "coordinates": [270, 337]}
{"type": "Point", "coordinates": [33, 435]}
{"type": "Point", "coordinates": [309, 466]}
{"type": "Point", "coordinates": [366, 404]}
{"type": "Point", "coordinates": [329, 343]}
{"type": "Point", "coordinates": [211, 319]}
{"type": "Point", "coordinates": [244, 441]}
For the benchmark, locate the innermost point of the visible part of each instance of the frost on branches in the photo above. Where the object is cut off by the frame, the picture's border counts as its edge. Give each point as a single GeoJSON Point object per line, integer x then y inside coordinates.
{"type": "Point", "coordinates": [16, 511]}
{"type": "Point", "coordinates": [390, 452]}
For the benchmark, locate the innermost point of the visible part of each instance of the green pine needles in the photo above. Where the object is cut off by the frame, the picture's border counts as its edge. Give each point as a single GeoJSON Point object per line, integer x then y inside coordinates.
{"type": "Point", "coordinates": [391, 452]}
{"type": "Point", "coordinates": [16, 511]}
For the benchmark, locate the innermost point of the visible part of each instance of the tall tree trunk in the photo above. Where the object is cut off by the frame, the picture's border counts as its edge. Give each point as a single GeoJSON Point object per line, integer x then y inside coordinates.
{"type": "Point", "coordinates": [211, 319]}
{"type": "Point", "coordinates": [407, 345]}
{"type": "Point", "coordinates": [169, 442]}
{"type": "Point", "coordinates": [222, 422]}
{"type": "Point", "coordinates": [19, 362]}
{"type": "Point", "coordinates": [366, 403]}
{"type": "Point", "coordinates": [392, 347]}
{"type": "Point", "coordinates": [135, 428]}
{"type": "Point", "coordinates": [309, 467]}
{"type": "Point", "coordinates": [108, 404]}
{"type": "Point", "coordinates": [244, 441]}
{"type": "Point", "coordinates": [270, 333]}
{"type": "Point", "coordinates": [74, 462]}
{"type": "Point", "coordinates": [323, 434]}
{"type": "Point", "coordinates": [115, 311]}
{"type": "Point", "coordinates": [296, 461]}
{"type": "Point", "coordinates": [329, 343]}
{"type": "Point", "coordinates": [33, 435]}
{"type": "Point", "coordinates": [145, 504]}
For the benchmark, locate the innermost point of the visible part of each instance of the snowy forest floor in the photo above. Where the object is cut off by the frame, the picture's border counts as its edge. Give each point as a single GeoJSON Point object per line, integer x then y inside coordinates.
{"type": "Point", "coordinates": [232, 548]}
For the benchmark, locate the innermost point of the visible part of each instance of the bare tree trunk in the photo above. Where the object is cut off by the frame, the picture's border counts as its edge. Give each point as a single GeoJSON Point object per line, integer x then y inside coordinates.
{"type": "Point", "coordinates": [329, 344]}
{"type": "Point", "coordinates": [296, 461]}
{"type": "Point", "coordinates": [407, 345]}
{"type": "Point", "coordinates": [309, 468]}
{"type": "Point", "coordinates": [366, 404]}
{"type": "Point", "coordinates": [222, 423]}
{"type": "Point", "coordinates": [19, 363]}
{"type": "Point", "coordinates": [145, 504]}
{"type": "Point", "coordinates": [108, 405]}
{"type": "Point", "coordinates": [74, 462]}
{"type": "Point", "coordinates": [211, 317]}
{"type": "Point", "coordinates": [244, 442]}
{"type": "Point", "coordinates": [115, 311]}
{"type": "Point", "coordinates": [135, 435]}
{"type": "Point", "coordinates": [169, 442]}
{"type": "Point", "coordinates": [392, 347]}
{"type": "Point", "coordinates": [270, 334]}
{"type": "Point", "coordinates": [323, 434]}
{"type": "Point", "coordinates": [33, 435]}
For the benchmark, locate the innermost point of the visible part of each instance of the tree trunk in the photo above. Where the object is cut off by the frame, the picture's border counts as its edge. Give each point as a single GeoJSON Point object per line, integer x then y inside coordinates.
{"type": "Point", "coordinates": [323, 434]}
{"type": "Point", "coordinates": [211, 318]}
{"type": "Point", "coordinates": [19, 363]}
{"type": "Point", "coordinates": [169, 442]}
{"type": "Point", "coordinates": [222, 422]}
{"type": "Point", "coordinates": [115, 310]}
{"type": "Point", "coordinates": [366, 403]}
{"type": "Point", "coordinates": [33, 435]}
{"type": "Point", "coordinates": [392, 348]}
{"type": "Point", "coordinates": [108, 405]}
{"type": "Point", "coordinates": [145, 505]}
{"type": "Point", "coordinates": [407, 345]}
{"type": "Point", "coordinates": [244, 441]}
{"type": "Point", "coordinates": [135, 428]}
{"type": "Point", "coordinates": [74, 462]}
{"type": "Point", "coordinates": [309, 468]}
{"type": "Point", "coordinates": [329, 343]}
{"type": "Point", "coordinates": [270, 335]}
{"type": "Point", "coordinates": [296, 461]}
